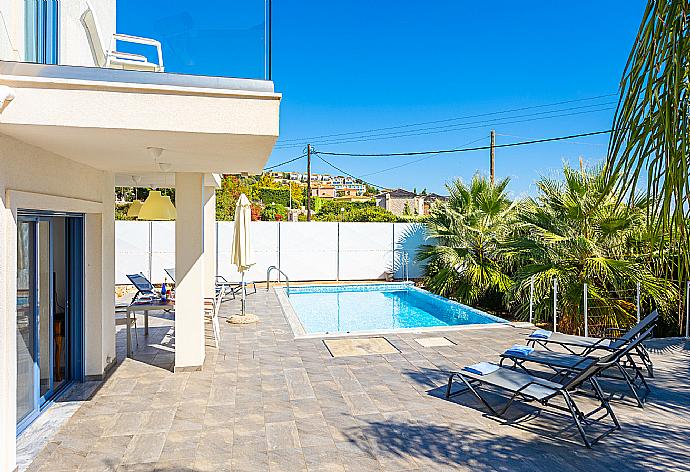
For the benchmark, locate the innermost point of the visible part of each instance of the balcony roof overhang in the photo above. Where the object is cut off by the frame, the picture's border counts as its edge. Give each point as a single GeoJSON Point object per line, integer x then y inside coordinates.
{"type": "Point", "coordinates": [160, 180]}
{"type": "Point", "coordinates": [108, 119]}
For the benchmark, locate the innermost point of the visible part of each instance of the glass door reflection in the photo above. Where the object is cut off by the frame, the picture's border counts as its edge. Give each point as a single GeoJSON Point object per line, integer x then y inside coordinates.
{"type": "Point", "coordinates": [26, 326]}
{"type": "Point", "coordinates": [44, 270]}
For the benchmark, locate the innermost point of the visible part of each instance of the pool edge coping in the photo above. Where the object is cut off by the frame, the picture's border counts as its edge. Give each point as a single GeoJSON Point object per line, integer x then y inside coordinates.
{"type": "Point", "coordinates": [290, 315]}
{"type": "Point", "coordinates": [299, 332]}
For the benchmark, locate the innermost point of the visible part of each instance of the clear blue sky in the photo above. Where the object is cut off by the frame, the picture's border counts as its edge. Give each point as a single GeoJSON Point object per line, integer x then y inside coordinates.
{"type": "Point", "coordinates": [357, 65]}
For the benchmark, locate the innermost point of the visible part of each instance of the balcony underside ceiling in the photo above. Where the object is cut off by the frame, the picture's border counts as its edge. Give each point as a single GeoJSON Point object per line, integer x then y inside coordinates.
{"type": "Point", "coordinates": [111, 125]}
{"type": "Point", "coordinates": [125, 151]}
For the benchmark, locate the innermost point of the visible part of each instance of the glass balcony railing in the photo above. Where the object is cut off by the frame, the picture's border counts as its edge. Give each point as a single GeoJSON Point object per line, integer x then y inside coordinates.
{"type": "Point", "coordinates": [220, 38]}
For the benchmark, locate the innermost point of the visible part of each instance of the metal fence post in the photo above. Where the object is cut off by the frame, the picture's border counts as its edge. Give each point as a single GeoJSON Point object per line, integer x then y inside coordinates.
{"type": "Point", "coordinates": [150, 271]}
{"type": "Point", "coordinates": [585, 309]}
{"type": "Point", "coordinates": [638, 302]}
{"type": "Point", "coordinates": [531, 299]}
{"type": "Point", "coordinates": [555, 304]}
{"type": "Point", "coordinates": [279, 249]}
{"type": "Point", "coordinates": [687, 310]}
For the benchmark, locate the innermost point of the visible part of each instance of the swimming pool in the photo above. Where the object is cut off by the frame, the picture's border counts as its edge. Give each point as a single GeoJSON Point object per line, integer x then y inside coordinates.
{"type": "Point", "coordinates": [374, 307]}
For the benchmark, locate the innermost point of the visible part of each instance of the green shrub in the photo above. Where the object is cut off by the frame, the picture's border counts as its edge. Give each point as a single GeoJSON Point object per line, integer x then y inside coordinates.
{"type": "Point", "coordinates": [121, 210]}
{"type": "Point", "coordinates": [279, 196]}
{"type": "Point", "coordinates": [354, 212]}
{"type": "Point", "coordinates": [275, 212]}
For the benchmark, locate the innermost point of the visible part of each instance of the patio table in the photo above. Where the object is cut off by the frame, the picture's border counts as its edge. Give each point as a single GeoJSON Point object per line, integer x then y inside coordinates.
{"type": "Point", "coordinates": [144, 306]}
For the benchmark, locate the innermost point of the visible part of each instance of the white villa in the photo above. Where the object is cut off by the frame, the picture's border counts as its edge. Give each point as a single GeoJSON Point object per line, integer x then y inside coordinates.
{"type": "Point", "coordinates": [77, 119]}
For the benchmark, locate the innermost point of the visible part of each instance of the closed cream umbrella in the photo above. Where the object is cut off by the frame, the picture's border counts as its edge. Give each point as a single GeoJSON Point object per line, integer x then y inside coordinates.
{"type": "Point", "coordinates": [242, 255]}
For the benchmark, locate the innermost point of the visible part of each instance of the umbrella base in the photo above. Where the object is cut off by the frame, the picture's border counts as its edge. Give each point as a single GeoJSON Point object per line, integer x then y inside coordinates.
{"type": "Point", "coordinates": [243, 319]}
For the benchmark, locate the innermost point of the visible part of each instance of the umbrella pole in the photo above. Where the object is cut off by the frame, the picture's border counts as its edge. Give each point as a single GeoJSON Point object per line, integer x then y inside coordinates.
{"type": "Point", "coordinates": [244, 295]}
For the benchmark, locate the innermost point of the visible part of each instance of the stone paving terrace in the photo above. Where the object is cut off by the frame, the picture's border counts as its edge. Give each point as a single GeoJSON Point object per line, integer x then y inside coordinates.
{"type": "Point", "coordinates": [265, 401]}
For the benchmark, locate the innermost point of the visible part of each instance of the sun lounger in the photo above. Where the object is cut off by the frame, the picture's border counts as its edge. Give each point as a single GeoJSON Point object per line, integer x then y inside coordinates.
{"type": "Point", "coordinates": [145, 289]}
{"type": "Point", "coordinates": [582, 345]}
{"type": "Point", "coordinates": [234, 287]}
{"type": "Point", "coordinates": [565, 364]}
{"type": "Point", "coordinates": [222, 285]}
{"type": "Point", "coordinates": [527, 387]}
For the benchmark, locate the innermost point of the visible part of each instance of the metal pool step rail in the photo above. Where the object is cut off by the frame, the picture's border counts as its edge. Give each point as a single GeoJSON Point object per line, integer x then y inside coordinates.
{"type": "Point", "coordinates": [268, 278]}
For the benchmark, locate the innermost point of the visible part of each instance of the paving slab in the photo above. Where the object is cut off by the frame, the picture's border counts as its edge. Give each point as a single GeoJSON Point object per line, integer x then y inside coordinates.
{"type": "Point", "coordinates": [265, 401]}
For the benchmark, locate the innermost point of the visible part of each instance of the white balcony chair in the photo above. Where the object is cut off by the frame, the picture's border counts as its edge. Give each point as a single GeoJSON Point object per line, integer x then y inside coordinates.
{"type": "Point", "coordinates": [112, 58]}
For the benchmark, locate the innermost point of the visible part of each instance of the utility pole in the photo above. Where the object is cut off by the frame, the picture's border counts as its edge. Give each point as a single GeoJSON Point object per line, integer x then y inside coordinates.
{"type": "Point", "coordinates": [493, 156]}
{"type": "Point", "coordinates": [308, 182]}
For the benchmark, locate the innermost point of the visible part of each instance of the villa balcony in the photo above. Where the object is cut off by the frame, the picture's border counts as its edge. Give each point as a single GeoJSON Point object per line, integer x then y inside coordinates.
{"type": "Point", "coordinates": [113, 82]}
{"type": "Point", "coordinates": [109, 119]}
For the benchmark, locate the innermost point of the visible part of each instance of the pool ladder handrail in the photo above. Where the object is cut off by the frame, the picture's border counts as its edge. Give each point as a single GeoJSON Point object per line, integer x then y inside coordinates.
{"type": "Point", "coordinates": [268, 278]}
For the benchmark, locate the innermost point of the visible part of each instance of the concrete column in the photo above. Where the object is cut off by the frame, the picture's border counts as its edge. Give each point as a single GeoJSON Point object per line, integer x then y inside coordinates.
{"type": "Point", "coordinates": [108, 356]}
{"type": "Point", "coordinates": [210, 241]}
{"type": "Point", "coordinates": [189, 271]}
{"type": "Point", "coordinates": [99, 284]}
{"type": "Point", "coordinates": [8, 334]}
{"type": "Point", "coordinates": [93, 295]}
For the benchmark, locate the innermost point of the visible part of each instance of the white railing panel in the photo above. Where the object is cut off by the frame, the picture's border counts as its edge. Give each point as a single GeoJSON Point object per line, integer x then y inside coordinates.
{"type": "Point", "coordinates": [162, 249]}
{"type": "Point", "coordinates": [366, 250]}
{"type": "Point", "coordinates": [132, 241]}
{"type": "Point", "coordinates": [264, 246]}
{"type": "Point", "coordinates": [309, 251]}
{"type": "Point", "coordinates": [313, 251]}
{"type": "Point", "coordinates": [408, 238]}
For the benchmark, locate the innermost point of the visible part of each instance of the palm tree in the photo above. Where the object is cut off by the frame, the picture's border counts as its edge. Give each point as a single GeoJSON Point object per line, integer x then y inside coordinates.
{"type": "Point", "coordinates": [650, 142]}
{"type": "Point", "coordinates": [577, 232]}
{"type": "Point", "coordinates": [465, 261]}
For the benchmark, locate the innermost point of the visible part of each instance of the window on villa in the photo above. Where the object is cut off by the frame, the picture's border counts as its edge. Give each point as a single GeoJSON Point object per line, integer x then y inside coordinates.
{"type": "Point", "coordinates": [41, 31]}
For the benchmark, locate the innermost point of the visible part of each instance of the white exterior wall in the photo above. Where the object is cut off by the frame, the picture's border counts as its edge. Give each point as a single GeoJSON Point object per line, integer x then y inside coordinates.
{"type": "Point", "coordinates": [32, 178]}
{"type": "Point", "coordinates": [73, 47]}
{"type": "Point", "coordinates": [304, 251]}
{"type": "Point", "coordinates": [12, 30]}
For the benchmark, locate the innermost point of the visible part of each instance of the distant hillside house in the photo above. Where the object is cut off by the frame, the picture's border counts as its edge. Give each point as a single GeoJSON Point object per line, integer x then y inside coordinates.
{"type": "Point", "coordinates": [431, 199]}
{"type": "Point", "coordinates": [396, 200]}
{"type": "Point", "coordinates": [323, 191]}
{"type": "Point", "coordinates": [349, 192]}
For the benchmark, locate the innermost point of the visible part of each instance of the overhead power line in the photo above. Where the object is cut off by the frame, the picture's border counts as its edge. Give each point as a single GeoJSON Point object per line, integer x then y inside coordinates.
{"type": "Point", "coordinates": [464, 149]}
{"type": "Point", "coordinates": [286, 162]}
{"type": "Point", "coordinates": [463, 126]}
{"type": "Point", "coordinates": [587, 143]}
{"type": "Point", "coordinates": [423, 123]}
{"type": "Point", "coordinates": [347, 173]}
{"type": "Point", "coordinates": [416, 160]}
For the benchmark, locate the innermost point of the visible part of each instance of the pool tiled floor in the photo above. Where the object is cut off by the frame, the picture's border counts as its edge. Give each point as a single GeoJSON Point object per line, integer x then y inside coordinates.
{"type": "Point", "coordinates": [265, 401]}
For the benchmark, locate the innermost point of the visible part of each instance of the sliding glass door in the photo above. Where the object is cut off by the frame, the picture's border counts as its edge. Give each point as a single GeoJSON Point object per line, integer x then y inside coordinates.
{"type": "Point", "coordinates": [26, 320]}
{"type": "Point", "coordinates": [49, 292]}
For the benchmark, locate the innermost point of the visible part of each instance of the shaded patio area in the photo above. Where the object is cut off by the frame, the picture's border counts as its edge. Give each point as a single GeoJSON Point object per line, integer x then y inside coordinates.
{"type": "Point", "coordinates": [265, 401]}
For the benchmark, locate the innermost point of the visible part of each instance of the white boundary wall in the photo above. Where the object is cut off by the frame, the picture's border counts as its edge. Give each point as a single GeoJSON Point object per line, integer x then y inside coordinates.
{"type": "Point", "coordinates": [304, 251]}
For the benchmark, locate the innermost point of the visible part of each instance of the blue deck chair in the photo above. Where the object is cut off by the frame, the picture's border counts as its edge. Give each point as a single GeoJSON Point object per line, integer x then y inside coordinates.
{"type": "Point", "coordinates": [143, 286]}
{"type": "Point", "coordinates": [223, 287]}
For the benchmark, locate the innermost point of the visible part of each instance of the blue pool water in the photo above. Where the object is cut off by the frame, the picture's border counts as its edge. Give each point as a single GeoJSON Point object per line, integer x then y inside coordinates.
{"type": "Point", "coordinates": [351, 308]}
